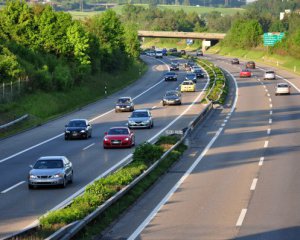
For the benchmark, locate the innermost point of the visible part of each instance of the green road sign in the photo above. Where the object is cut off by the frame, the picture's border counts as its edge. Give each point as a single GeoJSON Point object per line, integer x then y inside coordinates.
{"type": "Point", "coordinates": [271, 38]}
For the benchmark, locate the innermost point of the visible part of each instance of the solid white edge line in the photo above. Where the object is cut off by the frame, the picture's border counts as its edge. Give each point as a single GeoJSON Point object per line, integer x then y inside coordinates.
{"type": "Point", "coordinates": [266, 144]}
{"type": "Point", "coordinates": [253, 185]}
{"type": "Point", "coordinates": [187, 173]}
{"type": "Point", "coordinates": [271, 112]}
{"type": "Point", "coordinates": [270, 99]}
{"type": "Point", "coordinates": [91, 120]}
{"type": "Point", "coordinates": [268, 95]}
{"type": "Point", "coordinates": [271, 105]}
{"type": "Point", "coordinates": [87, 147]}
{"type": "Point", "coordinates": [261, 161]}
{"type": "Point", "coordinates": [12, 187]}
{"type": "Point", "coordinates": [241, 217]}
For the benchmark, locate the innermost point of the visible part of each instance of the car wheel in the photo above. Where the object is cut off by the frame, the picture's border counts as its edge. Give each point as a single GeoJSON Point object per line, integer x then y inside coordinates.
{"type": "Point", "coordinates": [116, 110]}
{"type": "Point", "coordinates": [152, 125]}
{"type": "Point", "coordinates": [66, 137]}
{"type": "Point", "coordinates": [71, 178]}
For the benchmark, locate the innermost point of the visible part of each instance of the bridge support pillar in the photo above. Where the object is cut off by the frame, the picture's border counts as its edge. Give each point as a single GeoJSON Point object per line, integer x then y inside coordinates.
{"type": "Point", "coordinates": [203, 45]}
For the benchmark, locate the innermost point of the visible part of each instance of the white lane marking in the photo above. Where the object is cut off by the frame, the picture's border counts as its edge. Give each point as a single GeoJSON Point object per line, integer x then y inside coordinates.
{"type": "Point", "coordinates": [87, 147]}
{"type": "Point", "coordinates": [225, 120]}
{"type": "Point", "coordinates": [253, 185]}
{"type": "Point", "coordinates": [241, 217]}
{"type": "Point", "coordinates": [223, 124]}
{"type": "Point", "coordinates": [268, 94]}
{"type": "Point", "coordinates": [258, 79]}
{"type": "Point", "coordinates": [266, 90]}
{"type": "Point", "coordinates": [12, 187]}
{"type": "Point", "coordinates": [270, 99]}
{"type": "Point", "coordinates": [266, 144]}
{"type": "Point", "coordinates": [261, 161]}
{"type": "Point", "coordinates": [91, 120]}
{"type": "Point", "coordinates": [154, 107]}
{"type": "Point", "coordinates": [265, 86]}
{"type": "Point", "coordinates": [227, 117]}
{"type": "Point", "coordinates": [270, 121]}
{"type": "Point", "coordinates": [271, 105]}
{"type": "Point", "coordinates": [269, 131]}
{"type": "Point", "coordinates": [187, 173]}
{"type": "Point", "coordinates": [271, 112]}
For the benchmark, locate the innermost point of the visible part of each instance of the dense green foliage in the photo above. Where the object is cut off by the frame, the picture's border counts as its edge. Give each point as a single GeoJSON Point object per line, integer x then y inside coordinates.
{"type": "Point", "coordinates": [55, 52]}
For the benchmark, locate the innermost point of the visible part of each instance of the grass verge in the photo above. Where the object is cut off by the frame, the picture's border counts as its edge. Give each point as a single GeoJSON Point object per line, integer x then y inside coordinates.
{"type": "Point", "coordinates": [44, 106]}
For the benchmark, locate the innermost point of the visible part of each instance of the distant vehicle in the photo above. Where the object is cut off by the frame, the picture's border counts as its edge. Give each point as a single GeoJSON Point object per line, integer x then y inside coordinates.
{"type": "Point", "coordinates": [191, 76]}
{"type": "Point", "coordinates": [199, 73]}
{"type": "Point", "coordinates": [50, 171]}
{"type": "Point", "coordinates": [174, 67]}
{"type": "Point", "coordinates": [188, 86]}
{"type": "Point", "coordinates": [118, 137]}
{"type": "Point", "coordinates": [188, 66]}
{"type": "Point", "coordinates": [194, 68]}
{"type": "Point", "coordinates": [78, 128]}
{"type": "Point", "coordinates": [158, 54]}
{"type": "Point", "coordinates": [270, 75]}
{"type": "Point", "coordinates": [172, 97]}
{"type": "Point", "coordinates": [199, 53]}
{"type": "Point", "coordinates": [282, 88]}
{"type": "Point", "coordinates": [175, 62]}
{"type": "Point", "coordinates": [250, 64]}
{"type": "Point", "coordinates": [235, 61]}
{"type": "Point", "coordinates": [170, 76]}
{"type": "Point", "coordinates": [173, 50]}
{"type": "Point", "coordinates": [164, 51]}
{"type": "Point", "coordinates": [140, 119]}
{"type": "Point", "coordinates": [124, 104]}
{"type": "Point", "coordinates": [182, 52]}
{"type": "Point", "coordinates": [150, 53]}
{"type": "Point", "coordinates": [245, 73]}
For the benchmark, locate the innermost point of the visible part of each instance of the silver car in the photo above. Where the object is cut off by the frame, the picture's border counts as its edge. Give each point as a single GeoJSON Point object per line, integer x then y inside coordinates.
{"type": "Point", "coordinates": [141, 118]}
{"type": "Point", "coordinates": [269, 75]}
{"type": "Point", "coordinates": [50, 171]}
{"type": "Point", "coordinates": [282, 88]}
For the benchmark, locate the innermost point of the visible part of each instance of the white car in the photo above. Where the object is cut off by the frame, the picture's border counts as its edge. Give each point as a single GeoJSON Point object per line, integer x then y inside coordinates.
{"type": "Point", "coordinates": [269, 75]}
{"type": "Point", "coordinates": [195, 68]}
{"type": "Point", "coordinates": [282, 88]}
{"type": "Point", "coordinates": [158, 54]}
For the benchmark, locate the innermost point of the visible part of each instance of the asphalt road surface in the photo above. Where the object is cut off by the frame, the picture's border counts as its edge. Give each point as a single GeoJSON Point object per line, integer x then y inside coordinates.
{"type": "Point", "coordinates": [240, 177]}
{"type": "Point", "coordinates": [20, 207]}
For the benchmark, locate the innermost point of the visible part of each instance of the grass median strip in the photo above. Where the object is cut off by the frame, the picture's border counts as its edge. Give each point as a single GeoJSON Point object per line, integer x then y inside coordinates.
{"type": "Point", "coordinates": [101, 190]}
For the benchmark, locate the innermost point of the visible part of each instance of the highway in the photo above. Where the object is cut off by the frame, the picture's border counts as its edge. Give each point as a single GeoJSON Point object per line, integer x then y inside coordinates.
{"type": "Point", "coordinates": [20, 207]}
{"type": "Point", "coordinates": [240, 177]}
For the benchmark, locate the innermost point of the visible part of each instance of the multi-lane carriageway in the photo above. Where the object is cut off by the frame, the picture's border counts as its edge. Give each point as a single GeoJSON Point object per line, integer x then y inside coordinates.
{"type": "Point", "coordinates": [237, 180]}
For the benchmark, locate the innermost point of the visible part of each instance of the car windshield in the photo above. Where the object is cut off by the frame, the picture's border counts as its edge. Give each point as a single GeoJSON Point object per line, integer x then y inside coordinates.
{"type": "Point", "coordinates": [187, 83]}
{"type": "Point", "coordinates": [270, 72]}
{"type": "Point", "coordinates": [245, 70]}
{"type": "Point", "coordinates": [171, 94]}
{"type": "Point", "coordinates": [123, 100]}
{"type": "Point", "coordinates": [77, 124]}
{"type": "Point", "coordinates": [118, 131]}
{"type": "Point", "coordinates": [139, 114]}
{"type": "Point", "coordinates": [48, 164]}
{"type": "Point", "coordinates": [174, 62]}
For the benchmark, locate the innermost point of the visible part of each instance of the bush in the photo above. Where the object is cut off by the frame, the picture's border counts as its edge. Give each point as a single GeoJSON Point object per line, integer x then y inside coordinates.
{"type": "Point", "coordinates": [148, 153]}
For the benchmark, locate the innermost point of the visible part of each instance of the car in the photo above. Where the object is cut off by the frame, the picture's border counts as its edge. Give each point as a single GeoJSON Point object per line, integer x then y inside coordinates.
{"type": "Point", "coordinates": [194, 68]}
{"type": "Point", "coordinates": [174, 67]}
{"type": "Point", "coordinates": [250, 64]}
{"type": "Point", "coordinates": [51, 171]}
{"type": "Point", "coordinates": [182, 52]}
{"type": "Point", "coordinates": [235, 61]}
{"type": "Point", "coordinates": [124, 104]}
{"type": "Point", "coordinates": [199, 52]}
{"type": "Point", "coordinates": [118, 137]}
{"type": "Point", "coordinates": [141, 118]}
{"type": "Point", "coordinates": [191, 76]}
{"type": "Point", "coordinates": [199, 73]}
{"type": "Point", "coordinates": [78, 128]}
{"type": "Point", "coordinates": [188, 65]}
{"type": "Point", "coordinates": [188, 86]}
{"type": "Point", "coordinates": [170, 76]}
{"type": "Point", "coordinates": [269, 75]}
{"type": "Point", "coordinates": [173, 50]}
{"type": "Point", "coordinates": [172, 97]}
{"type": "Point", "coordinates": [282, 88]}
{"type": "Point", "coordinates": [245, 73]}
{"type": "Point", "coordinates": [175, 62]}
{"type": "Point", "coordinates": [158, 54]}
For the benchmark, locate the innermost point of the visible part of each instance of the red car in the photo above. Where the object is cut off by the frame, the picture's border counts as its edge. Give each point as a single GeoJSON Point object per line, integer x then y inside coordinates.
{"type": "Point", "coordinates": [119, 137]}
{"type": "Point", "coordinates": [245, 73]}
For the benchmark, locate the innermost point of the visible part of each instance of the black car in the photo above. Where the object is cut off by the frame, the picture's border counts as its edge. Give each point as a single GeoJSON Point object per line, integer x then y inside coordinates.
{"type": "Point", "coordinates": [124, 104]}
{"type": "Point", "coordinates": [199, 73]}
{"type": "Point", "coordinates": [172, 97]}
{"type": "Point", "coordinates": [170, 76]}
{"type": "Point", "coordinates": [173, 50]}
{"type": "Point", "coordinates": [78, 128]}
{"type": "Point", "coordinates": [174, 67]}
{"type": "Point", "coordinates": [182, 52]}
{"type": "Point", "coordinates": [199, 53]}
{"type": "Point", "coordinates": [191, 76]}
{"type": "Point", "coordinates": [235, 61]}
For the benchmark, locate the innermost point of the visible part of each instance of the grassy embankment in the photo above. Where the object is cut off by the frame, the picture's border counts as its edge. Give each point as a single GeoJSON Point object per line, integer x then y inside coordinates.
{"type": "Point", "coordinates": [260, 55]}
{"type": "Point", "coordinates": [43, 106]}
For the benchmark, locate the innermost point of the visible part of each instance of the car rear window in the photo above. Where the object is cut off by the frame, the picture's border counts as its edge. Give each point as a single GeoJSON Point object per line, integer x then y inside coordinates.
{"type": "Point", "coordinates": [77, 124]}
{"type": "Point", "coordinates": [270, 72]}
{"type": "Point", "coordinates": [282, 85]}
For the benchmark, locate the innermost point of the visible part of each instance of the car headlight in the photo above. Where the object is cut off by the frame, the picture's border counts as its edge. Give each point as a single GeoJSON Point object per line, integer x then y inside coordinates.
{"type": "Point", "coordinates": [83, 131]}
{"type": "Point", "coordinates": [126, 139]}
{"type": "Point", "coordinates": [32, 176]}
{"type": "Point", "coordinates": [177, 99]}
{"type": "Point", "coordinates": [117, 106]}
{"type": "Point", "coordinates": [57, 175]}
{"type": "Point", "coordinates": [106, 139]}
{"type": "Point", "coordinates": [67, 131]}
{"type": "Point", "coordinates": [127, 106]}
{"type": "Point", "coordinates": [131, 122]}
{"type": "Point", "coordinates": [147, 121]}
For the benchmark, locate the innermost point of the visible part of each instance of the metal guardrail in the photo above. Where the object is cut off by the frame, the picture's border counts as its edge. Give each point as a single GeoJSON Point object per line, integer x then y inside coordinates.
{"type": "Point", "coordinates": [14, 122]}
{"type": "Point", "coordinates": [70, 231]}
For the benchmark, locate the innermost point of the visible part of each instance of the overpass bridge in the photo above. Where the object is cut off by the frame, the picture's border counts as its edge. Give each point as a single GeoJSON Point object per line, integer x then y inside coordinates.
{"type": "Point", "coordinates": [184, 35]}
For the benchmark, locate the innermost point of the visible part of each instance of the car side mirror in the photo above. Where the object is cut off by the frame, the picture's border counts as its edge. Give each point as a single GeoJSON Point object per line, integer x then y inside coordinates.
{"type": "Point", "coordinates": [105, 133]}
{"type": "Point", "coordinates": [30, 166]}
{"type": "Point", "coordinates": [66, 125]}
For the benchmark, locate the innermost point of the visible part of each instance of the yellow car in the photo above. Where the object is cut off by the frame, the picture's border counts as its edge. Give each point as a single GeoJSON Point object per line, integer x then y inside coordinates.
{"type": "Point", "coordinates": [188, 86]}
